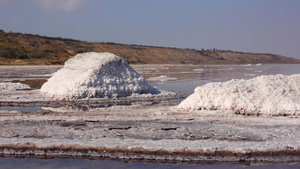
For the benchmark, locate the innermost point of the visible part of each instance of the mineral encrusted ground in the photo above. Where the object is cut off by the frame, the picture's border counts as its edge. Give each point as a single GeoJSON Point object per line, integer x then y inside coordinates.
{"type": "Point", "coordinates": [143, 131]}
{"type": "Point", "coordinates": [150, 133]}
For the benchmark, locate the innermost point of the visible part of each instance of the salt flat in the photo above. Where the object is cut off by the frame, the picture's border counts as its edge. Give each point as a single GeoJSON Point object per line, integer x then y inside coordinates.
{"type": "Point", "coordinates": [142, 130]}
{"type": "Point", "coordinates": [159, 132]}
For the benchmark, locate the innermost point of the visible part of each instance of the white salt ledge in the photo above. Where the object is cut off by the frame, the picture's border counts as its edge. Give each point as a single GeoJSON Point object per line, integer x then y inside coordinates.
{"type": "Point", "coordinates": [13, 86]}
{"type": "Point", "coordinates": [96, 75]}
{"type": "Point", "coordinates": [264, 95]}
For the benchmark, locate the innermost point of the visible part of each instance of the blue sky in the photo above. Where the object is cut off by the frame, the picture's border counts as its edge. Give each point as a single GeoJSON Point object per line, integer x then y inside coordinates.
{"type": "Point", "coordinates": [262, 26]}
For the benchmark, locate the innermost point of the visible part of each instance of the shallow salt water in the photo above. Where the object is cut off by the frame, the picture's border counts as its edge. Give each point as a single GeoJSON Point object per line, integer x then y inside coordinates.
{"type": "Point", "coordinates": [34, 84]}
{"type": "Point", "coordinates": [20, 163]}
{"type": "Point", "coordinates": [191, 76]}
{"type": "Point", "coordinates": [23, 109]}
{"type": "Point", "coordinates": [181, 78]}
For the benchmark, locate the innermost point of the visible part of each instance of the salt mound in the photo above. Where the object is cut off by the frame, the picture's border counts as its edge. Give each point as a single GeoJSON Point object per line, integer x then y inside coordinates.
{"type": "Point", "coordinates": [96, 75]}
{"type": "Point", "coordinates": [264, 95]}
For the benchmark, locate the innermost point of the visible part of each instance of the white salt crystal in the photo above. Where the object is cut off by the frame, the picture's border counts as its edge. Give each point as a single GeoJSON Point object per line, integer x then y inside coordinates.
{"type": "Point", "coordinates": [96, 75]}
{"type": "Point", "coordinates": [266, 95]}
{"type": "Point", "coordinates": [13, 86]}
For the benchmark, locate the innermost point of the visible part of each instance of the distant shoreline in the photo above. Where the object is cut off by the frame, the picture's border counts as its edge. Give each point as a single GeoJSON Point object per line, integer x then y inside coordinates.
{"type": "Point", "coordinates": [29, 49]}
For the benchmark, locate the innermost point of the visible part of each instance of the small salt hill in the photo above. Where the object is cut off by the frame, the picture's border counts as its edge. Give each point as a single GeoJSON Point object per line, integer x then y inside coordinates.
{"type": "Point", "coordinates": [96, 75]}
{"type": "Point", "coordinates": [276, 95]}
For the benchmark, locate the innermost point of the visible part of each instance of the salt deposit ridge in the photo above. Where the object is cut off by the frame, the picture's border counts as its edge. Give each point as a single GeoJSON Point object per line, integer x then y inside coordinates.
{"type": "Point", "coordinates": [96, 75]}
{"type": "Point", "coordinates": [13, 86]}
{"type": "Point", "coordinates": [264, 95]}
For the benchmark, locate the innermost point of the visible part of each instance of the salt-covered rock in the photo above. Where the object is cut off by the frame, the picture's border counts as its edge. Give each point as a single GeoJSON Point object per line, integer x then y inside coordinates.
{"type": "Point", "coordinates": [96, 75]}
{"type": "Point", "coordinates": [265, 95]}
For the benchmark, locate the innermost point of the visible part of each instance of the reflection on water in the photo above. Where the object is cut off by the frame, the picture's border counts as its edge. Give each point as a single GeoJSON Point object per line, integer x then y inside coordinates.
{"type": "Point", "coordinates": [188, 77]}
{"type": "Point", "coordinates": [28, 109]}
{"type": "Point", "coordinates": [208, 72]}
{"type": "Point", "coordinates": [35, 84]}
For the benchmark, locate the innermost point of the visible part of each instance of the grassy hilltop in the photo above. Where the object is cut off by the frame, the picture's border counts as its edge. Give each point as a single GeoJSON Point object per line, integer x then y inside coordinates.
{"type": "Point", "coordinates": [29, 49]}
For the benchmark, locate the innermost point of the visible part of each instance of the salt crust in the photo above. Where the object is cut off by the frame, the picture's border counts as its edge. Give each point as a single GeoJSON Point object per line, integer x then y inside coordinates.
{"type": "Point", "coordinates": [13, 86]}
{"type": "Point", "coordinates": [263, 95]}
{"type": "Point", "coordinates": [96, 75]}
{"type": "Point", "coordinates": [162, 78]}
{"type": "Point", "coordinates": [151, 128]}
